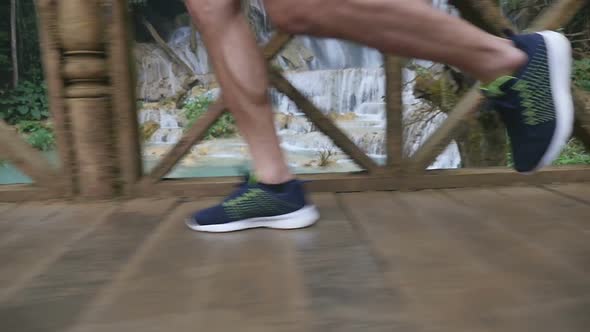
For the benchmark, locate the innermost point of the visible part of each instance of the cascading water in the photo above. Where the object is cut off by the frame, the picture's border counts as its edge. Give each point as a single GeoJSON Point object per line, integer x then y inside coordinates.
{"type": "Point", "coordinates": [169, 131]}
{"type": "Point", "coordinates": [345, 80]}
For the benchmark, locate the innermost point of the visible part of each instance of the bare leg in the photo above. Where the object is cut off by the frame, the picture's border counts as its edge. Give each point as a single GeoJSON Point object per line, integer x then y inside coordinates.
{"type": "Point", "coordinates": [241, 71]}
{"type": "Point", "coordinates": [408, 28]}
{"type": "Point", "coordinates": [405, 27]}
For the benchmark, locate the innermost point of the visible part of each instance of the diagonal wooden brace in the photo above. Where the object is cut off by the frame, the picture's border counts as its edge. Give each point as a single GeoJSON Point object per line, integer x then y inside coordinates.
{"type": "Point", "coordinates": [27, 159]}
{"type": "Point", "coordinates": [322, 122]}
{"type": "Point", "coordinates": [200, 127]}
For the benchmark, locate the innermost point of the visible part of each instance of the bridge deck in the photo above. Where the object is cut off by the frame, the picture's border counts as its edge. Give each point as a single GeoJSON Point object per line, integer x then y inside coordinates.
{"type": "Point", "coordinates": [505, 259]}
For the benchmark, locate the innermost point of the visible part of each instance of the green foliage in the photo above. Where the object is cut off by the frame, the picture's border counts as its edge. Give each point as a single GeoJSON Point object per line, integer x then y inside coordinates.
{"type": "Point", "coordinates": [39, 134]}
{"type": "Point", "coordinates": [573, 154]}
{"type": "Point", "coordinates": [224, 127]}
{"type": "Point", "coordinates": [27, 102]}
{"type": "Point", "coordinates": [582, 73]}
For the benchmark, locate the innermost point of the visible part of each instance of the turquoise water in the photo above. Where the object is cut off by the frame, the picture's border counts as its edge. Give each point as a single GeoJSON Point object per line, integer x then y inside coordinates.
{"type": "Point", "coordinates": [11, 175]}
{"type": "Point", "coordinates": [238, 168]}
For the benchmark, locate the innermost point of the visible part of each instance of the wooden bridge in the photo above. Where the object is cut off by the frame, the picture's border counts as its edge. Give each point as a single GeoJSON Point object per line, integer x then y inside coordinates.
{"type": "Point", "coordinates": [95, 244]}
{"type": "Point", "coordinates": [507, 259]}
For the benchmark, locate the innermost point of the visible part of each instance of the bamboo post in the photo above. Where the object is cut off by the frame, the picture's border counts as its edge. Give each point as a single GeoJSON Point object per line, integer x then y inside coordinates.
{"type": "Point", "coordinates": [124, 98]}
{"type": "Point", "coordinates": [86, 95]}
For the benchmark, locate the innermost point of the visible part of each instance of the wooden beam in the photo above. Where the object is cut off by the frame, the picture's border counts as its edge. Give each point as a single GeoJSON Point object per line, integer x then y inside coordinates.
{"type": "Point", "coordinates": [51, 59]}
{"type": "Point", "coordinates": [123, 77]}
{"type": "Point", "coordinates": [500, 176]}
{"type": "Point", "coordinates": [196, 133]}
{"type": "Point", "coordinates": [276, 45]}
{"type": "Point", "coordinates": [26, 193]}
{"type": "Point", "coordinates": [395, 110]}
{"type": "Point", "coordinates": [27, 159]}
{"type": "Point", "coordinates": [436, 179]}
{"type": "Point", "coordinates": [200, 127]}
{"type": "Point", "coordinates": [323, 123]}
{"type": "Point", "coordinates": [87, 92]}
{"type": "Point", "coordinates": [444, 135]}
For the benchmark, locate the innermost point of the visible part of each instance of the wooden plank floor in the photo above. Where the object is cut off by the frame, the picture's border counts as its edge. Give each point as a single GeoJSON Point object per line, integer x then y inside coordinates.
{"type": "Point", "coordinates": [504, 259]}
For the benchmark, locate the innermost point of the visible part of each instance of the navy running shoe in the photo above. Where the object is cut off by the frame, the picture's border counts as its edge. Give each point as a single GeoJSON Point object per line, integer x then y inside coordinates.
{"type": "Point", "coordinates": [536, 104]}
{"type": "Point", "coordinates": [256, 205]}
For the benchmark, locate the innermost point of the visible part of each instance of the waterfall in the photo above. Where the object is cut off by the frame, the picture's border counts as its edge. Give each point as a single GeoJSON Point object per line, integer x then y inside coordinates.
{"type": "Point", "coordinates": [337, 54]}
{"type": "Point", "coordinates": [335, 91]}
{"type": "Point", "coordinates": [343, 79]}
{"type": "Point", "coordinates": [169, 130]}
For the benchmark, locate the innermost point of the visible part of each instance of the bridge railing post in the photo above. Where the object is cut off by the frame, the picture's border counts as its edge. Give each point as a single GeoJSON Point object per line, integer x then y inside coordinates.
{"type": "Point", "coordinates": [87, 93]}
{"type": "Point", "coordinates": [124, 105]}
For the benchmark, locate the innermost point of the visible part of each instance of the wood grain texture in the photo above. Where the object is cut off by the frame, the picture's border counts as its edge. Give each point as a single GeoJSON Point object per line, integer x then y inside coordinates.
{"type": "Point", "coordinates": [57, 296]}
{"type": "Point", "coordinates": [462, 269]}
{"type": "Point", "coordinates": [509, 259]}
{"type": "Point", "coordinates": [445, 286]}
{"type": "Point", "coordinates": [38, 236]}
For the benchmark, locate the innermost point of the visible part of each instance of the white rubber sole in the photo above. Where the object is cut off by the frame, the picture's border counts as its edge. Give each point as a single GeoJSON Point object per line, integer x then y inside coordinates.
{"type": "Point", "coordinates": [302, 218]}
{"type": "Point", "coordinates": [559, 55]}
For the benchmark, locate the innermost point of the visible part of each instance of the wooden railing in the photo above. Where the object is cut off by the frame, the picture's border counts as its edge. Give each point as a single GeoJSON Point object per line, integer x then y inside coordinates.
{"type": "Point", "coordinates": [92, 100]}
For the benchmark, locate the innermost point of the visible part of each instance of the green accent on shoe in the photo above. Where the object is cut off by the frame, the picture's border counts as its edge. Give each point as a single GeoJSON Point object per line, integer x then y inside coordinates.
{"type": "Point", "coordinates": [493, 89]}
{"type": "Point", "coordinates": [256, 201]}
{"type": "Point", "coordinates": [252, 180]}
{"type": "Point", "coordinates": [534, 89]}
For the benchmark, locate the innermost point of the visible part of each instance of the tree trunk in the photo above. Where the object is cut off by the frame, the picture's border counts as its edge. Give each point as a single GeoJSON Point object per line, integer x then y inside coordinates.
{"type": "Point", "coordinates": [13, 43]}
{"type": "Point", "coordinates": [483, 142]}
